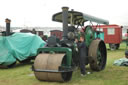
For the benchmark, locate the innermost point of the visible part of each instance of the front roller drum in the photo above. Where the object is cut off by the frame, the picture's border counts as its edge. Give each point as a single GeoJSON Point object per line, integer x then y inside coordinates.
{"type": "Point", "coordinates": [51, 62]}
{"type": "Point", "coordinates": [97, 55]}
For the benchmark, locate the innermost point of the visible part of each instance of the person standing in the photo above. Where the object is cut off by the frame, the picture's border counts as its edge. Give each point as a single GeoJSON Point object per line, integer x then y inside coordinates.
{"type": "Point", "coordinates": [82, 49]}
{"type": "Point", "coordinates": [82, 54]}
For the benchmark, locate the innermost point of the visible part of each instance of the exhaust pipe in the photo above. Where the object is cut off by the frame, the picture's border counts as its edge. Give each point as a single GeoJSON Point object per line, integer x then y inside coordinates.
{"type": "Point", "coordinates": [65, 21]}
{"type": "Point", "coordinates": [7, 26]}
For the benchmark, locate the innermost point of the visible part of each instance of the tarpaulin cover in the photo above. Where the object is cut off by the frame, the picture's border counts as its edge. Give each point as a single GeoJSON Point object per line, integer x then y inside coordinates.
{"type": "Point", "coordinates": [19, 46]}
{"type": "Point", "coordinates": [121, 62]}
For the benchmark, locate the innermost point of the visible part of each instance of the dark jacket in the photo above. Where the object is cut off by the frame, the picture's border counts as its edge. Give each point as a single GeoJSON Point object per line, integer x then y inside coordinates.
{"type": "Point", "coordinates": [82, 49]}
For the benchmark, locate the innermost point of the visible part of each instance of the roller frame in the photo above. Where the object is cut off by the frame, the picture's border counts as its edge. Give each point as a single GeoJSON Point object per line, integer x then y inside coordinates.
{"type": "Point", "coordinates": [62, 69]}
{"type": "Point", "coordinates": [68, 52]}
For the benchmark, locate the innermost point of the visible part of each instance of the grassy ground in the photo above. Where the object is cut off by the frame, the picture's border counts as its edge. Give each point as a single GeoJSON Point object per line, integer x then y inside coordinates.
{"type": "Point", "coordinates": [112, 75]}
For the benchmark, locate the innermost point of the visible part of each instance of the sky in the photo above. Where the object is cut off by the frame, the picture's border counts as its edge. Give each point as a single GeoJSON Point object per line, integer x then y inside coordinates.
{"type": "Point", "coordinates": [35, 13]}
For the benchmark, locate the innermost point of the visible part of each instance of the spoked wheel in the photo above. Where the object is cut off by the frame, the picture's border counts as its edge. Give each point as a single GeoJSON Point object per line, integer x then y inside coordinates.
{"type": "Point", "coordinates": [51, 62]}
{"type": "Point", "coordinates": [97, 55]}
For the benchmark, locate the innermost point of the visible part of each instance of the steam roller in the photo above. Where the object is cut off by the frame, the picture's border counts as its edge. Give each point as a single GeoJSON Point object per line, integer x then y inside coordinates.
{"type": "Point", "coordinates": [58, 60]}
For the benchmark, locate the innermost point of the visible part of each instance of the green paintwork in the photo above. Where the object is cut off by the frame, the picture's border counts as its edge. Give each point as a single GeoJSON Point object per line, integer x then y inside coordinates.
{"type": "Point", "coordinates": [68, 52]}
{"type": "Point", "coordinates": [100, 35]}
{"type": "Point", "coordinates": [89, 35]}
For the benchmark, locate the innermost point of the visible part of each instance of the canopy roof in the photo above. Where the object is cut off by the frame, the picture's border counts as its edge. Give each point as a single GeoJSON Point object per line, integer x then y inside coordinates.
{"type": "Point", "coordinates": [76, 18]}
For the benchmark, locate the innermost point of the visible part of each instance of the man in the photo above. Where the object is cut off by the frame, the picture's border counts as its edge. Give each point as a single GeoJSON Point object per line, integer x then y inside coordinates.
{"type": "Point", "coordinates": [82, 54]}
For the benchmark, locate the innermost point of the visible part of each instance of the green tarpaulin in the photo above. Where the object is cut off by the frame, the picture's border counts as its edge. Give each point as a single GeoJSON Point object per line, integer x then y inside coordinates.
{"type": "Point", "coordinates": [19, 46]}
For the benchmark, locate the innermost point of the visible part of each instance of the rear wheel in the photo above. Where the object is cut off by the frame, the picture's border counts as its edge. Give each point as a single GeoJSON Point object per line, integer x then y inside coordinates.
{"type": "Point", "coordinates": [113, 46]}
{"type": "Point", "coordinates": [97, 55]}
{"type": "Point", "coordinates": [117, 46]}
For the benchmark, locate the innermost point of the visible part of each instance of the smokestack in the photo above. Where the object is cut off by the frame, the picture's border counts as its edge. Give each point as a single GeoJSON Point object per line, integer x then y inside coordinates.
{"type": "Point", "coordinates": [65, 21]}
{"type": "Point", "coordinates": [7, 26]}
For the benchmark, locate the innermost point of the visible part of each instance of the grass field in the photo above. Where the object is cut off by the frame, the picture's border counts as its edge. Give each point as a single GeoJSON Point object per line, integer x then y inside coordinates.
{"type": "Point", "coordinates": [112, 75]}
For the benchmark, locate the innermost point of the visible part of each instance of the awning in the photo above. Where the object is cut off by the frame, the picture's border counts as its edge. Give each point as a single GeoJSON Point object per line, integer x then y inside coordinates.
{"type": "Point", "coordinates": [78, 18]}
